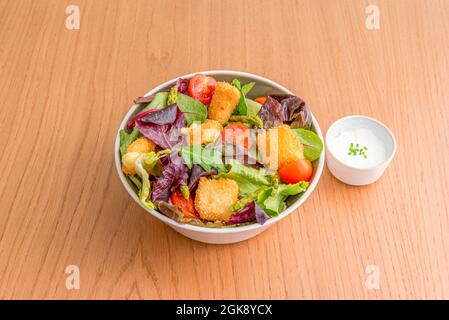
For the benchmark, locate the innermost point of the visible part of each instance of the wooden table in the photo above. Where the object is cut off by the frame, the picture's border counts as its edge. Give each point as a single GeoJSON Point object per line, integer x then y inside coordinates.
{"type": "Point", "coordinates": [64, 92]}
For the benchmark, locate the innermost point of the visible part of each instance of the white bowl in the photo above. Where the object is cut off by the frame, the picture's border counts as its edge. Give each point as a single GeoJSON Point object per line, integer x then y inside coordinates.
{"type": "Point", "coordinates": [359, 176]}
{"type": "Point", "coordinates": [232, 234]}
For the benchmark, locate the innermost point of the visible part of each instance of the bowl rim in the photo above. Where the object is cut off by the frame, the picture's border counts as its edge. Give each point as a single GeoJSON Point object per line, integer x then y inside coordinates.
{"type": "Point", "coordinates": [229, 230]}
{"type": "Point", "coordinates": [368, 169]}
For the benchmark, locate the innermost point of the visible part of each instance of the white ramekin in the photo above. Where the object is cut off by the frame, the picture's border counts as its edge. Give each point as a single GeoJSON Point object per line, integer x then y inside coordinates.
{"type": "Point", "coordinates": [222, 235]}
{"type": "Point", "coordinates": [357, 176]}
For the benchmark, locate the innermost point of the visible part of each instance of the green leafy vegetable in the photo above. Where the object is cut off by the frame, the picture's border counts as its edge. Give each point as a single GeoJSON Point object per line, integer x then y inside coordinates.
{"type": "Point", "coordinates": [194, 110]}
{"type": "Point", "coordinates": [172, 95]}
{"type": "Point", "coordinates": [151, 162]}
{"type": "Point", "coordinates": [127, 138]}
{"type": "Point", "coordinates": [236, 83]}
{"type": "Point", "coordinates": [249, 179]}
{"type": "Point", "coordinates": [207, 158]}
{"type": "Point", "coordinates": [253, 107]}
{"type": "Point", "coordinates": [253, 120]}
{"type": "Point", "coordinates": [136, 182]}
{"type": "Point", "coordinates": [144, 192]}
{"type": "Point", "coordinates": [240, 204]}
{"type": "Point", "coordinates": [243, 106]}
{"type": "Point", "coordinates": [313, 146]}
{"type": "Point", "coordinates": [247, 88]}
{"type": "Point", "coordinates": [272, 200]}
{"type": "Point", "coordinates": [159, 102]}
{"type": "Point", "coordinates": [146, 164]}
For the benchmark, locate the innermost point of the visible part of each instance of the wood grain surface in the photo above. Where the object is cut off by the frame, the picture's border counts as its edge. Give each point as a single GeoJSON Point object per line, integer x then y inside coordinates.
{"type": "Point", "coordinates": [64, 92]}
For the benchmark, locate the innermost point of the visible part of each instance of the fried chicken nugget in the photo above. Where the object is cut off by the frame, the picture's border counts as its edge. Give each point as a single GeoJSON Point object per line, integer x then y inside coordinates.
{"type": "Point", "coordinates": [288, 146]}
{"type": "Point", "coordinates": [141, 145]}
{"type": "Point", "coordinates": [205, 133]}
{"type": "Point", "coordinates": [134, 150]}
{"type": "Point", "coordinates": [214, 197]}
{"type": "Point", "coordinates": [225, 99]}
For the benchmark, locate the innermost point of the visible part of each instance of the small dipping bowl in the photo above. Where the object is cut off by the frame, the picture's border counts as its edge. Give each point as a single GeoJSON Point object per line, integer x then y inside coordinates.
{"type": "Point", "coordinates": [362, 163]}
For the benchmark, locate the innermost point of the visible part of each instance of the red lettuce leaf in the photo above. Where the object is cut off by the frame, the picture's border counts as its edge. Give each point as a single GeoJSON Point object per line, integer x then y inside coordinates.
{"type": "Point", "coordinates": [161, 117]}
{"type": "Point", "coordinates": [132, 122]}
{"type": "Point", "coordinates": [183, 86]}
{"type": "Point", "coordinates": [249, 213]}
{"type": "Point", "coordinates": [272, 113]}
{"type": "Point", "coordinates": [167, 134]}
{"type": "Point", "coordinates": [196, 173]}
{"type": "Point", "coordinates": [297, 112]}
{"type": "Point", "coordinates": [146, 99]}
{"type": "Point", "coordinates": [174, 174]}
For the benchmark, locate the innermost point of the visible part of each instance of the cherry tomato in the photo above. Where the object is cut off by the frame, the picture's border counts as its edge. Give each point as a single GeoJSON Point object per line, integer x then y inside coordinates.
{"type": "Point", "coordinates": [261, 100]}
{"type": "Point", "coordinates": [236, 133]}
{"type": "Point", "coordinates": [186, 205]}
{"type": "Point", "coordinates": [296, 171]}
{"type": "Point", "coordinates": [202, 88]}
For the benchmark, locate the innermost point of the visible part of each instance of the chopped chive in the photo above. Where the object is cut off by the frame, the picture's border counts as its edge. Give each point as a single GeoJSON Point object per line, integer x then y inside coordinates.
{"type": "Point", "coordinates": [356, 151]}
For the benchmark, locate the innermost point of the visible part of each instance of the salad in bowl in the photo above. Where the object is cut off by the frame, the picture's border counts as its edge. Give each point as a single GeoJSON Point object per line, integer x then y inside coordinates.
{"type": "Point", "coordinates": [218, 151]}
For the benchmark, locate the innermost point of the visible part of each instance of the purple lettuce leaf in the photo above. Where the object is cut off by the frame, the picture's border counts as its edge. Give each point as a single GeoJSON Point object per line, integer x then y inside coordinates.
{"type": "Point", "coordinates": [183, 86]}
{"type": "Point", "coordinates": [196, 173]}
{"type": "Point", "coordinates": [146, 99]}
{"type": "Point", "coordinates": [261, 216]}
{"type": "Point", "coordinates": [168, 134]}
{"type": "Point", "coordinates": [272, 113]}
{"type": "Point", "coordinates": [161, 117]}
{"type": "Point", "coordinates": [297, 112]}
{"type": "Point", "coordinates": [249, 213]}
{"type": "Point", "coordinates": [174, 174]}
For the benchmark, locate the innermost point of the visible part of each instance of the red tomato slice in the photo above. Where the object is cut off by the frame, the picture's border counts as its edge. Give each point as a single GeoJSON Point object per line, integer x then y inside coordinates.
{"type": "Point", "coordinates": [236, 133]}
{"type": "Point", "coordinates": [202, 88]}
{"type": "Point", "coordinates": [186, 205]}
{"type": "Point", "coordinates": [296, 171]}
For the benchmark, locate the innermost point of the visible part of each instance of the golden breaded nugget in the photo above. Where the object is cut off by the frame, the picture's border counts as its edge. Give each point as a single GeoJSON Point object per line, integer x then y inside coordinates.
{"type": "Point", "coordinates": [214, 197]}
{"type": "Point", "coordinates": [225, 99]}
{"type": "Point", "coordinates": [205, 133]}
{"type": "Point", "coordinates": [288, 146]}
{"type": "Point", "coordinates": [141, 145]}
{"type": "Point", "coordinates": [134, 150]}
{"type": "Point", "coordinates": [129, 163]}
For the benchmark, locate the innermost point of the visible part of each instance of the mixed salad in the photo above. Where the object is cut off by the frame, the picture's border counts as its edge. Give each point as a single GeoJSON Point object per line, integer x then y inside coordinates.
{"type": "Point", "coordinates": [206, 153]}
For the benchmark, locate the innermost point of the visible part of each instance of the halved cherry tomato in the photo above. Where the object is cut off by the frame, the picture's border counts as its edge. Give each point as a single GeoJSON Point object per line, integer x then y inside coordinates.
{"type": "Point", "coordinates": [261, 100]}
{"type": "Point", "coordinates": [202, 88]}
{"type": "Point", "coordinates": [296, 171]}
{"type": "Point", "coordinates": [186, 205]}
{"type": "Point", "coordinates": [236, 133]}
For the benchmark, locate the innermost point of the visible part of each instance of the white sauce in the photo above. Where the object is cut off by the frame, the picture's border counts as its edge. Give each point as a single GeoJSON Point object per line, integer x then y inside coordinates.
{"type": "Point", "coordinates": [340, 143]}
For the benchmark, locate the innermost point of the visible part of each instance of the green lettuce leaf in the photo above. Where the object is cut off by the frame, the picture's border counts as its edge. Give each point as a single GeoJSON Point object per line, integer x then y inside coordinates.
{"type": "Point", "coordinates": [243, 105]}
{"type": "Point", "coordinates": [207, 158]}
{"type": "Point", "coordinates": [253, 107]}
{"type": "Point", "coordinates": [146, 164]}
{"type": "Point", "coordinates": [144, 192]}
{"type": "Point", "coordinates": [159, 102]}
{"type": "Point", "coordinates": [272, 200]}
{"type": "Point", "coordinates": [194, 110]}
{"type": "Point", "coordinates": [313, 146]}
{"type": "Point", "coordinates": [127, 138]}
{"type": "Point", "coordinates": [249, 179]}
